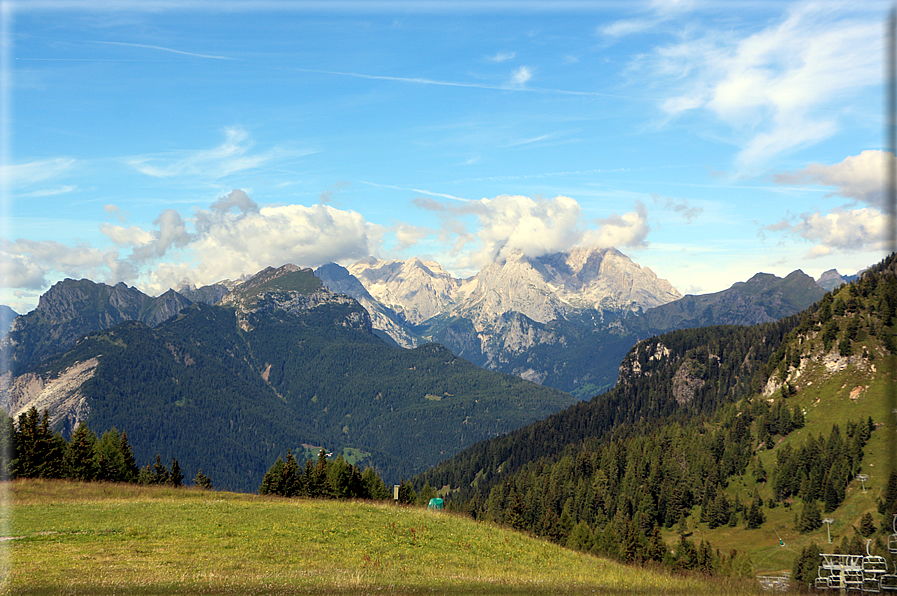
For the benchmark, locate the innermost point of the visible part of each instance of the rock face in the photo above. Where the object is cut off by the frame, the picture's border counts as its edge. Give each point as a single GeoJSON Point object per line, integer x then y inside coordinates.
{"type": "Point", "coordinates": [61, 395]}
{"type": "Point", "coordinates": [831, 279]}
{"type": "Point", "coordinates": [414, 289]}
{"type": "Point", "coordinates": [73, 308]}
{"type": "Point", "coordinates": [387, 323]}
{"type": "Point", "coordinates": [290, 289]}
{"type": "Point", "coordinates": [543, 289]}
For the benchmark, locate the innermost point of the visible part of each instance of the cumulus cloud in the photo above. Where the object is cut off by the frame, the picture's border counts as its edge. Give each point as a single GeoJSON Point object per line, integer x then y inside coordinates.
{"type": "Point", "coordinates": [840, 230]}
{"type": "Point", "coordinates": [232, 237]}
{"type": "Point", "coordinates": [30, 264]}
{"type": "Point", "coordinates": [627, 230]}
{"type": "Point", "coordinates": [533, 226]}
{"type": "Point", "coordinates": [230, 244]}
{"type": "Point", "coordinates": [859, 177]}
{"type": "Point", "coordinates": [776, 87]}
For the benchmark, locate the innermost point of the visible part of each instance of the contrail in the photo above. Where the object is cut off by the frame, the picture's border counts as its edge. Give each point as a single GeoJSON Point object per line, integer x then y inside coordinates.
{"type": "Point", "coordinates": [164, 49]}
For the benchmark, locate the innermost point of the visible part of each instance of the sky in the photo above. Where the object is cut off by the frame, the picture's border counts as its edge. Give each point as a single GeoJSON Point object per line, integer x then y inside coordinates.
{"type": "Point", "coordinates": [161, 142]}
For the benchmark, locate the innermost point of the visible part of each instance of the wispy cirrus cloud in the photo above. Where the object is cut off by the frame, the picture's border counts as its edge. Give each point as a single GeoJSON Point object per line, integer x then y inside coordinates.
{"type": "Point", "coordinates": [502, 57]}
{"type": "Point", "coordinates": [778, 88]}
{"type": "Point", "coordinates": [33, 172]}
{"type": "Point", "coordinates": [232, 156]}
{"type": "Point", "coordinates": [515, 82]}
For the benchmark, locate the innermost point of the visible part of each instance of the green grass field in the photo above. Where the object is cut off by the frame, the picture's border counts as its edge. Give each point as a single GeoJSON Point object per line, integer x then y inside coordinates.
{"type": "Point", "coordinates": [93, 538]}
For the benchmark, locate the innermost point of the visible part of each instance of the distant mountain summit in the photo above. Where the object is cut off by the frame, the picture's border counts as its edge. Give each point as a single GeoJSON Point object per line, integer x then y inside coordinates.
{"type": "Point", "coordinates": [71, 309]}
{"type": "Point", "coordinates": [564, 320]}
{"type": "Point", "coordinates": [543, 288]}
{"type": "Point", "coordinates": [761, 299]}
{"type": "Point", "coordinates": [415, 290]}
{"type": "Point", "coordinates": [831, 279]}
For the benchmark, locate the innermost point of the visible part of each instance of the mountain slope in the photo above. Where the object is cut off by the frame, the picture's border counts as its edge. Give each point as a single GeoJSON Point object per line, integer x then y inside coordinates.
{"type": "Point", "coordinates": [281, 363]}
{"type": "Point", "coordinates": [734, 431]}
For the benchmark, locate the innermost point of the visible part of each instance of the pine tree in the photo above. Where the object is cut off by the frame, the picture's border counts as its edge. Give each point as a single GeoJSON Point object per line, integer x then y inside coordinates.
{"type": "Point", "coordinates": [273, 479]}
{"type": "Point", "coordinates": [755, 516]}
{"type": "Point", "coordinates": [202, 481]}
{"type": "Point", "coordinates": [129, 468]}
{"type": "Point", "coordinates": [39, 451]}
{"type": "Point", "coordinates": [79, 461]}
{"type": "Point", "coordinates": [810, 518]}
{"type": "Point", "coordinates": [175, 477]}
{"type": "Point", "coordinates": [159, 472]}
{"type": "Point", "coordinates": [867, 525]}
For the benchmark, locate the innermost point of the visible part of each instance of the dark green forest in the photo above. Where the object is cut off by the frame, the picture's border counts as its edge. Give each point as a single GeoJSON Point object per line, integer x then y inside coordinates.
{"type": "Point", "coordinates": [232, 400]}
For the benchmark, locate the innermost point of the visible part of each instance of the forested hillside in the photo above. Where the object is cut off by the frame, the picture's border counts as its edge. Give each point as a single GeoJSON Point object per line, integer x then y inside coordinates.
{"type": "Point", "coordinates": [230, 390]}
{"type": "Point", "coordinates": [709, 429]}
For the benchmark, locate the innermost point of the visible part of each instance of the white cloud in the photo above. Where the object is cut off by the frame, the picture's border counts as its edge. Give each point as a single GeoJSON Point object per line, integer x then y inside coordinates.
{"type": "Point", "coordinates": [520, 77]}
{"type": "Point", "coordinates": [502, 57]}
{"type": "Point", "coordinates": [625, 27]}
{"type": "Point", "coordinates": [122, 236]}
{"type": "Point", "coordinates": [232, 156]}
{"type": "Point", "coordinates": [26, 174]}
{"type": "Point", "coordinates": [859, 177]}
{"type": "Point", "coordinates": [776, 87]}
{"type": "Point", "coordinates": [627, 230]}
{"type": "Point", "coordinates": [234, 236]}
{"type": "Point", "coordinates": [29, 263]}
{"type": "Point", "coordinates": [228, 244]}
{"type": "Point", "coordinates": [838, 231]}
{"type": "Point", "coordinates": [535, 227]}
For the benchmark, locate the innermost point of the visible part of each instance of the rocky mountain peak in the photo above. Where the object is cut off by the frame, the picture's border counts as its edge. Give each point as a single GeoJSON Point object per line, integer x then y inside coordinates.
{"type": "Point", "coordinates": [414, 289]}
{"type": "Point", "coordinates": [292, 289]}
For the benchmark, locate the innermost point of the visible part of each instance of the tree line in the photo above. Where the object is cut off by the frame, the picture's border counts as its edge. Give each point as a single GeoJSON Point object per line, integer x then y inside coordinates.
{"type": "Point", "coordinates": [31, 449]}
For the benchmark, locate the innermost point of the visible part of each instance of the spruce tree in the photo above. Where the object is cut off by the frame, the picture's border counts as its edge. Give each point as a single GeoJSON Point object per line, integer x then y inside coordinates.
{"type": "Point", "coordinates": [867, 525]}
{"type": "Point", "coordinates": [79, 460]}
{"type": "Point", "coordinates": [39, 451]}
{"type": "Point", "coordinates": [175, 477]}
{"type": "Point", "coordinates": [202, 481]}
{"type": "Point", "coordinates": [810, 518]}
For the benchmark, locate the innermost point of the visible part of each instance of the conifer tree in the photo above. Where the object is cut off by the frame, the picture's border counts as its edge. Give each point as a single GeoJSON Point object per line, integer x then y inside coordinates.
{"type": "Point", "coordinates": [867, 525]}
{"type": "Point", "coordinates": [129, 464]}
{"type": "Point", "coordinates": [202, 481]}
{"type": "Point", "coordinates": [810, 518]}
{"type": "Point", "coordinates": [159, 472]}
{"type": "Point", "coordinates": [273, 479]}
{"type": "Point", "coordinates": [175, 477]}
{"type": "Point", "coordinates": [79, 461]}
{"type": "Point", "coordinates": [39, 451]}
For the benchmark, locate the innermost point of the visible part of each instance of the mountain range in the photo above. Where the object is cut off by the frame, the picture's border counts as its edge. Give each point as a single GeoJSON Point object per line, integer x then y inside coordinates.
{"type": "Point", "coordinates": [564, 321]}
{"type": "Point", "coordinates": [279, 363]}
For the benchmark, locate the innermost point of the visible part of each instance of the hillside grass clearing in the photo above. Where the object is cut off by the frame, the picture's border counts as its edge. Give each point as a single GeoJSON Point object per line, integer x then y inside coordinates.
{"type": "Point", "coordinates": [94, 538]}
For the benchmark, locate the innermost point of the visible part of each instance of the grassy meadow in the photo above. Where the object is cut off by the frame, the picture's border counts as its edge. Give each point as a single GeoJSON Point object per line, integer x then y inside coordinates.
{"type": "Point", "coordinates": [94, 538]}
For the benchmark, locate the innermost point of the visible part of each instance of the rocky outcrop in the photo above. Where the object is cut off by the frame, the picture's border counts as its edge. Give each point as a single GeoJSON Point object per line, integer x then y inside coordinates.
{"type": "Point", "coordinates": [337, 279]}
{"type": "Point", "coordinates": [61, 395]}
{"type": "Point", "coordinates": [73, 308]}
{"type": "Point", "coordinates": [415, 290]}
{"type": "Point", "coordinates": [291, 289]}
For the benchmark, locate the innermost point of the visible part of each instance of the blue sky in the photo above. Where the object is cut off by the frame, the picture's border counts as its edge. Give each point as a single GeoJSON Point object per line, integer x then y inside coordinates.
{"type": "Point", "coordinates": [157, 142]}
